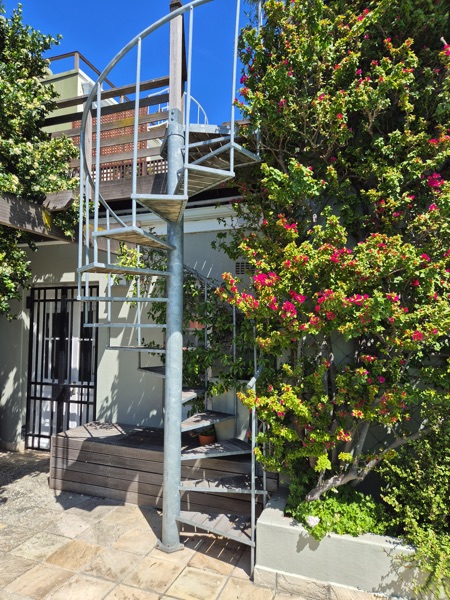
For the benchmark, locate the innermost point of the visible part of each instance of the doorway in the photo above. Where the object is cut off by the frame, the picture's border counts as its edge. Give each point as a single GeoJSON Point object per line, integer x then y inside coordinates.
{"type": "Point", "coordinates": [62, 361]}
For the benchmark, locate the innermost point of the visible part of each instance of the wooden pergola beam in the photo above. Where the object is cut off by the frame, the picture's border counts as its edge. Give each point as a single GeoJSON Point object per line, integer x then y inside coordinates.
{"type": "Point", "coordinates": [26, 216]}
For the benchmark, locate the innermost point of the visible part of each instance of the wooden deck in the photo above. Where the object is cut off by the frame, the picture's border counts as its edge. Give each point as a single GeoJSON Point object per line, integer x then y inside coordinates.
{"type": "Point", "coordinates": [125, 463]}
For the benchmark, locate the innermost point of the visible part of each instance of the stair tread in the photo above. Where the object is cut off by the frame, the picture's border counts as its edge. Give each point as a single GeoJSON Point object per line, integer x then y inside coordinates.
{"type": "Point", "coordinates": [133, 235]}
{"type": "Point", "coordinates": [203, 419]}
{"type": "Point", "coordinates": [119, 270]}
{"type": "Point", "coordinates": [237, 484]}
{"type": "Point", "coordinates": [233, 527]}
{"type": "Point", "coordinates": [231, 447]}
{"type": "Point", "coordinates": [170, 208]}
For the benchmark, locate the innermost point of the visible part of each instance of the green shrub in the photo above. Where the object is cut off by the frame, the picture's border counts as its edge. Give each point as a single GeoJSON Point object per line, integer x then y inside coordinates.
{"type": "Point", "coordinates": [342, 511]}
{"type": "Point", "coordinates": [417, 489]}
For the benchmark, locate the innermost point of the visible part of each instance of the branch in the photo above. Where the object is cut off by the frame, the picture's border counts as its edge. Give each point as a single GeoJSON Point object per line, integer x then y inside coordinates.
{"type": "Point", "coordinates": [398, 443]}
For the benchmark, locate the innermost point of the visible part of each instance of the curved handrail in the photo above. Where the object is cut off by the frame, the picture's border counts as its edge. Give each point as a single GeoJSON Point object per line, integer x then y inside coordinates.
{"type": "Point", "coordinates": [131, 44]}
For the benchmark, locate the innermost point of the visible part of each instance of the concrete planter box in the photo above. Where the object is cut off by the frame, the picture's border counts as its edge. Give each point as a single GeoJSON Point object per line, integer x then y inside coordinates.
{"type": "Point", "coordinates": [339, 567]}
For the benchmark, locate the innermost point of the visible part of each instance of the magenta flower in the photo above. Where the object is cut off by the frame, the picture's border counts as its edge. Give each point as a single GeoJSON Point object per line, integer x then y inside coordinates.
{"type": "Point", "coordinates": [417, 336]}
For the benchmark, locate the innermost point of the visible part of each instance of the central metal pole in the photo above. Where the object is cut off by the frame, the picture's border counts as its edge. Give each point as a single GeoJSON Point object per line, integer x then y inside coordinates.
{"type": "Point", "coordinates": [174, 340]}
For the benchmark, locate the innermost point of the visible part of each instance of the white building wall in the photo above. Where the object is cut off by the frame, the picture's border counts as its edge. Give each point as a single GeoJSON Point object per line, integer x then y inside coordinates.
{"type": "Point", "coordinates": [124, 394]}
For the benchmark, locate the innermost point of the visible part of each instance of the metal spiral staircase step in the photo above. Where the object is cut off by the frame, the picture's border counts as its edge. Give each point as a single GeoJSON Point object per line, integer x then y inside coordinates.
{"type": "Point", "coordinates": [234, 527]}
{"type": "Point", "coordinates": [125, 325]}
{"type": "Point", "coordinates": [114, 269]}
{"type": "Point", "coordinates": [232, 447]}
{"type": "Point", "coordinates": [204, 419]}
{"type": "Point", "coordinates": [239, 484]}
{"type": "Point", "coordinates": [187, 395]}
{"type": "Point", "coordinates": [169, 208]}
{"type": "Point", "coordinates": [133, 235]}
{"type": "Point", "coordinates": [203, 178]}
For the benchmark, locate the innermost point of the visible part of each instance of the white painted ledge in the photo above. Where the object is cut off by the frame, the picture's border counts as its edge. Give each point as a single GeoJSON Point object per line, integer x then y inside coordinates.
{"type": "Point", "coordinates": [339, 567]}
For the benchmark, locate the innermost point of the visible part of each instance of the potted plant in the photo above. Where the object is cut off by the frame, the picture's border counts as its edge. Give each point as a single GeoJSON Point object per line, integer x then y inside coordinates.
{"type": "Point", "coordinates": [207, 435]}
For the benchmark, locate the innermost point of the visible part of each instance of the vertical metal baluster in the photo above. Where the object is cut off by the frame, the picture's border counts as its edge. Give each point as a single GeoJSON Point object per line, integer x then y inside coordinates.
{"type": "Point", "coordinates": [232, 120]}
{"type": "Point", "coordinates": [136, 129]}
{"type": "Point", "coordinates": [97, 167]}
{"type": "Point", "coordinates": [187, 119]}
{"type": "Point", "coordinates": [87, 234]}
{"type": "Point", "coordinates": [235, 397]}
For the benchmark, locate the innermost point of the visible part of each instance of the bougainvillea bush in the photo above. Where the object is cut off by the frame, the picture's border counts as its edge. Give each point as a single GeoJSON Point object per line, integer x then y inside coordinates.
{"type": "Point", "coordinates": [347, 230]}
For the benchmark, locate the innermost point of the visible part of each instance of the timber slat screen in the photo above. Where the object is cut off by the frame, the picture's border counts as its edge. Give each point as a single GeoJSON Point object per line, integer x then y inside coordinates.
{"type": "Point", "coordinates": [126, 464]}
{"type": "Point", "coordinates": [117, 126]}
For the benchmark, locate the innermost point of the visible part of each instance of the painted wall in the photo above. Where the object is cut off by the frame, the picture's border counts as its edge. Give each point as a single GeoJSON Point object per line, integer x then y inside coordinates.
{"type": "Point", "coordinates": [124, 394]}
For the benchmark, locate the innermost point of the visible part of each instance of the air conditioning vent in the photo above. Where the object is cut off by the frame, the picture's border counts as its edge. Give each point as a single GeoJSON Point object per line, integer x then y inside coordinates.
{"type": "Point", "coordinates": [242, 267]}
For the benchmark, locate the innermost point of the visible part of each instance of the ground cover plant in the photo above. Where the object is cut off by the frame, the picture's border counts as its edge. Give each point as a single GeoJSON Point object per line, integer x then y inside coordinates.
{"type": "Point", "coordinates": [347, 232]}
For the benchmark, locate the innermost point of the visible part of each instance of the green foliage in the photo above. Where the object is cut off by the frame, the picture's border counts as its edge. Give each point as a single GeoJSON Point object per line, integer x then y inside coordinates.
{"type": "Point", "coordinates": [343, 511]}
{"type": "Point", "coordinates": [31, 164]}
{"type": "Point", "coordinates": [417, 489]}
{"type": "Point", "coordinates": [14, 267]}
{"type": "Point", "coordinates": [347, 228]}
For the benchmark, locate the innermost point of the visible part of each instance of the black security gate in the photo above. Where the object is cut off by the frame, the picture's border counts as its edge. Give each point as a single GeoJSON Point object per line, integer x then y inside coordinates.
{"type": "Point", "coordinates": [62, 364]}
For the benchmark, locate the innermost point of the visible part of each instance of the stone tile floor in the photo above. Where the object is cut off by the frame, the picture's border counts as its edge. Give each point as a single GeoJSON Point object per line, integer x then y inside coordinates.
{"type": "Point", "coordinates": [67, 546]}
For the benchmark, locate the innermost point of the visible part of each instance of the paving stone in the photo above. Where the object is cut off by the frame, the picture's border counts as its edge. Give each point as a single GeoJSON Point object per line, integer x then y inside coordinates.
{"type": "Point", "coordinates": [195, 584]}
{"type": "Point", "coordinates": [136, 541]}
{"type": "Point", "coordinates": [82, 587]}
{"type": "Point", "coordinates": [75, 555]}
{"type": "Point", "coordinates": [180, 556]}
{"type": "Point", "coordinates": [112, 564]}
{"type": "Point", "coordinates": [40, 546]}
{"type": "Point", "coordinates": [153, 574]}
{"type": "Point", "coordinates": [244, 590]}
{"type": "Point", "coordinates": [39, 582]}
{"type": "Point", "coordinates": [38, 518]}
{"type": "Point", "coordinates": [63, 501]}
{"type": "Point", "coordinates": [103, 534]}
{"type": "Point", "coordinates": [243, 568]}
{"type": "Point", "coordinates": [285, 596]}
{"type": "Point", "coordinates": [69, 525]}
{"type": "Point", "coordinates": [95, 508]}
{"type": "Point", "coordinates": [218, 555]}
{"type": "Point", "coordinates": [12, 536]}
{"type": "Point", "coordinates": [125, 592]}
{"type": "Point", "coordinates": [4, 595]}
{"type": "Point", "coordinates": [12, 567]}
{"type": "Point", "coordinates": [129, 515]}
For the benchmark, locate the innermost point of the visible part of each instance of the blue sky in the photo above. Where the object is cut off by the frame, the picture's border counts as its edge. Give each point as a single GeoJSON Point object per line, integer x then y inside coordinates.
{"type": "Point", "coordinates": [99, 29]}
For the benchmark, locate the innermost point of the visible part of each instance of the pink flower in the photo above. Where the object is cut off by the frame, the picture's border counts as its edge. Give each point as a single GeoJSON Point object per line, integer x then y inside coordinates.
{"type": "Point", "coordinates": [381, 379]}
{"type": "Point", "coordinates": [416, 283]}
{"type": "Point", "coordinates": [289, 310]}
{"type": "Point", "coordinates": [297, 297]}
{"type": "Point", "coordinates": [417, 336]}
{"type": "Point", "coordinates": [321, 97]}
{"type": "Point", "coordinates": [358, 72]}
{"type": "Point", "coordinates": [435, 180]}
{"type": "Point", "coordinates": [433, 141]}
{"type": "Point", "coordinates": [433, 207]}
{"type": "Point", "coordinates": [425, 257]}
{"type": "Point", "coordinates": [340, 116]}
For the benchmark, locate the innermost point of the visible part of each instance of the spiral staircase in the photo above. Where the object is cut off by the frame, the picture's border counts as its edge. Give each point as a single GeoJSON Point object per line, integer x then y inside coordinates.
{"type": "Point", "coordinates": [199, 157]}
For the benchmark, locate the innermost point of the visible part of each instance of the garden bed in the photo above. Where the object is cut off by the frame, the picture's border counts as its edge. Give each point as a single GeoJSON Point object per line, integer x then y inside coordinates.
{"type": "Point", "coordinates": [289, 559]}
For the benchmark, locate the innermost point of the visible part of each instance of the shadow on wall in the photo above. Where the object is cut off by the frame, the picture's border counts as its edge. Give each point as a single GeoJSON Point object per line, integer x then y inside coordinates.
{"type": "Point", "coordinates": [13, 380]}
{"type": "Point", "coordinates": [125, 394]}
